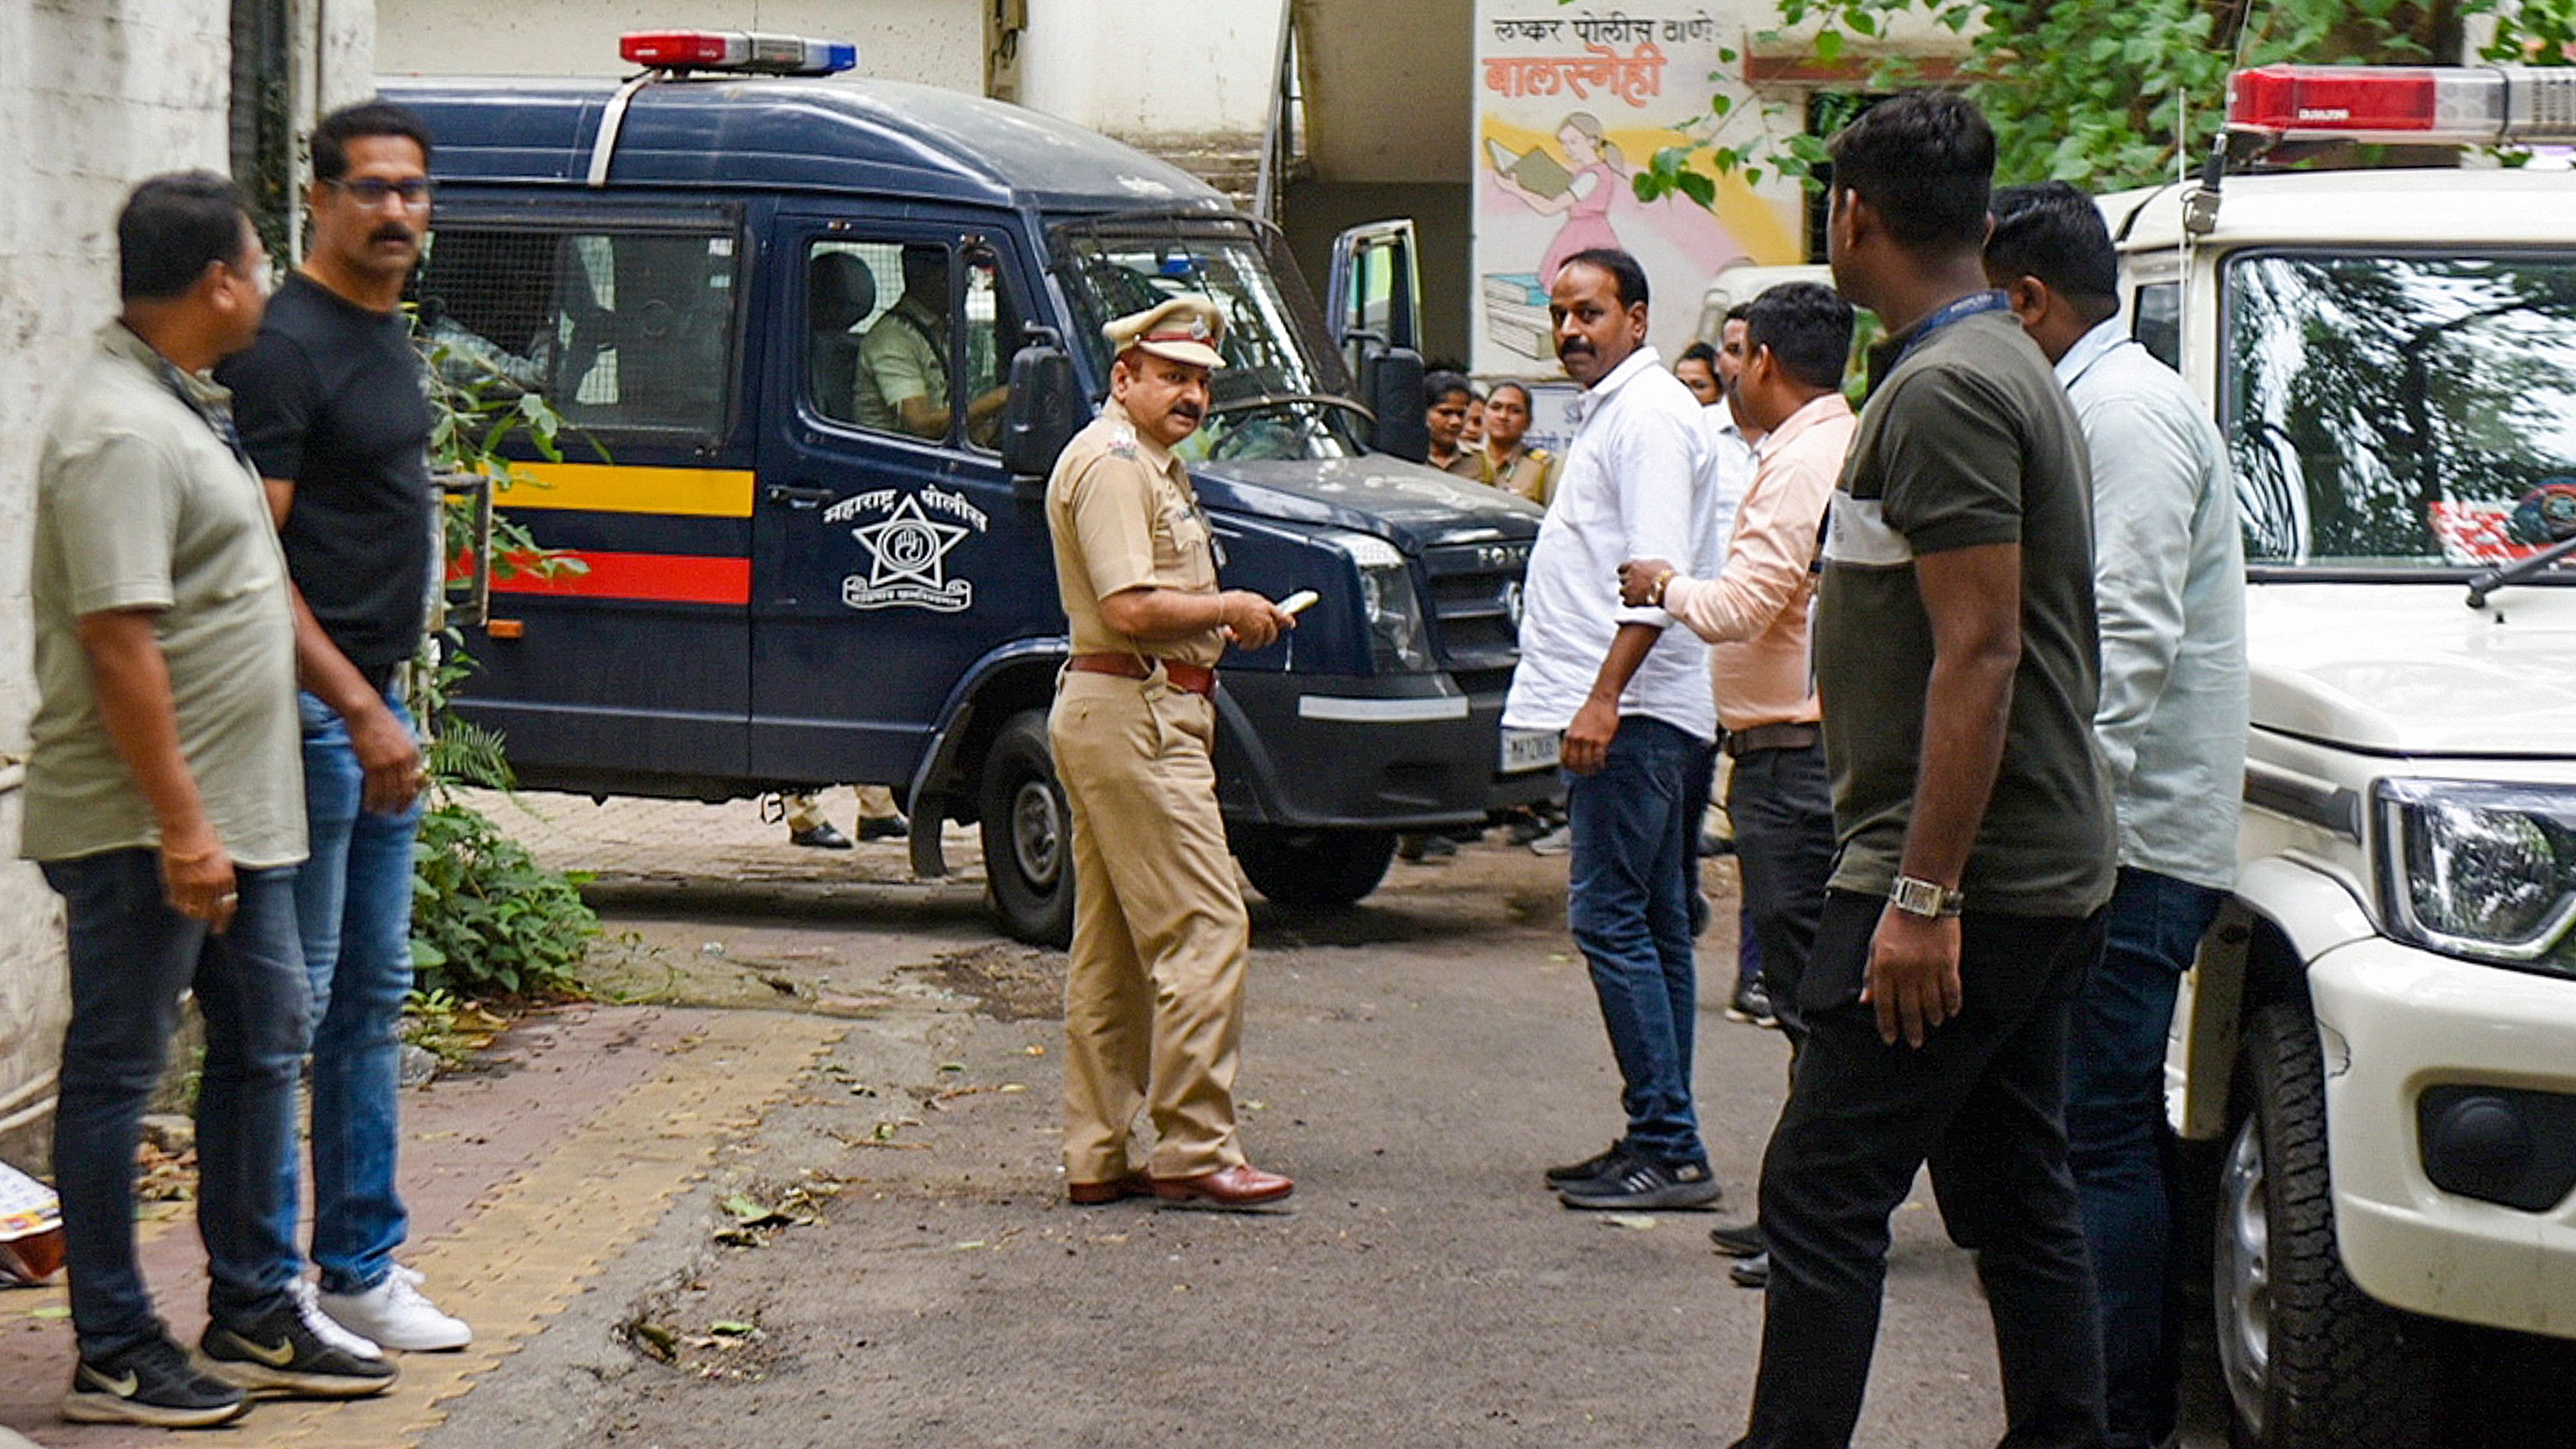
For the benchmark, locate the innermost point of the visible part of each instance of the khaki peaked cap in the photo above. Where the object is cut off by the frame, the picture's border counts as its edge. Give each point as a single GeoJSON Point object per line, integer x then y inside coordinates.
{"type": "Point", "coordinates": [1184, 329]}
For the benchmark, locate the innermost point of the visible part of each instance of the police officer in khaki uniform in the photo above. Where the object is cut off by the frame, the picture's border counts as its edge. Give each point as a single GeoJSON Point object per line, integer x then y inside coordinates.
{"type": "Point", "coordinates": [1154, 1001]}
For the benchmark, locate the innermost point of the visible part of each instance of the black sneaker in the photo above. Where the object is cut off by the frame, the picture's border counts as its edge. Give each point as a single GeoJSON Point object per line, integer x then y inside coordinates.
{"type": "Point", "coordinates": [1639, 1185]}
{"type": "Point", "coordinates": [1740, 1240]}
{"type": "Point", "coordinates": [279, 1352]}
{"type": "Point", "coordinates": [822, 837]}
{"type": "Point", "coordinates": [1753, 1272]}
{"type": "Point", "coordinates": [884, 827]}
{"type": "Point", "coordinates": [152, 1384]}
{"type": "Point", "coordinates": [1594, 1166]}
{"type": "Point", "coordinates": [1422, 849]}
{"type": "Point", "coordinates": [1752, 1004]}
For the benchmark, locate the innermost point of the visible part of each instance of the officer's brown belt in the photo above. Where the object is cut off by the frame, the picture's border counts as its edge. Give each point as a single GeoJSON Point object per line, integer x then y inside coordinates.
{"type": "Point", "coordinates": [1198, 679]}
{"type": "Point", "coordinates": [1773, 737]}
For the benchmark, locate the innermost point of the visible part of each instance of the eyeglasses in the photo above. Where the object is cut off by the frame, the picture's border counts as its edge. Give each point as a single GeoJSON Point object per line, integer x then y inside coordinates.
{"type": "Point", "coordinates": [370, 191]}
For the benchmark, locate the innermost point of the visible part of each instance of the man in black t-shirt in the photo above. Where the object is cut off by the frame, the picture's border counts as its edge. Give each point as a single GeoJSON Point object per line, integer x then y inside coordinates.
{"type": "Point", "coordinates": [1957, 664]}
{"type": "Point", "coordinates": [331, 404]}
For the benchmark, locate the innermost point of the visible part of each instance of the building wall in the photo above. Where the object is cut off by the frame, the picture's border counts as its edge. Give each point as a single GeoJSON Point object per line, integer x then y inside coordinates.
{"type": "Point", "coordinates": [94, 96]}
{"type": "Point", "coordinates": [932, 42]}
{"type": "Point", "coordinates": [1153, 72]}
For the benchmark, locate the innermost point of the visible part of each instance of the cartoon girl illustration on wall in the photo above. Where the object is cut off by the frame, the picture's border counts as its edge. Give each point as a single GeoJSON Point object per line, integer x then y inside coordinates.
{"type": "Point", "coordinates": [1581, 191]}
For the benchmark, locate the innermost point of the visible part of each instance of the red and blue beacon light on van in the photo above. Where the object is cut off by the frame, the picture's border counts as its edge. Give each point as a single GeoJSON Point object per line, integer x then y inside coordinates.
{"type": "Point", "coordinates": [2487, 105]}
{"type": "Point", "coordinates": [740, 52]}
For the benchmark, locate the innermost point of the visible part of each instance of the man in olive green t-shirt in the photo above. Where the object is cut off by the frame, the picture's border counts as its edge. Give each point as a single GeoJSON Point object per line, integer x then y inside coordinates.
{"type": "Point", "coordinates": [1956, 663]}
{"type": "Point", "coordinates": [165, 802]}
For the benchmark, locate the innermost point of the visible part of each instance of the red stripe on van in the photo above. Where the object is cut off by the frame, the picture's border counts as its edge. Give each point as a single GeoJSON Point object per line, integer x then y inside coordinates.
{"type": "Point", "coordinates": [660, 578]}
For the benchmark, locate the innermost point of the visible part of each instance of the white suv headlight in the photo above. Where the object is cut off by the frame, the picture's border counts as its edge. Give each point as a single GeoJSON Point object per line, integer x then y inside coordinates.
{"type": "Point", "coordinates": [2478, 869]}
{"type": "Point", "coordinates": [1394, 611]}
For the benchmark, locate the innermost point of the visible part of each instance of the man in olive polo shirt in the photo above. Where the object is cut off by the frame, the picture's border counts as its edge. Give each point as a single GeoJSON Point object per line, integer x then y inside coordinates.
{"type": "Point", "coordinates": [1957, 664]}
{"type": "Point", "coordinates": [165, 802]}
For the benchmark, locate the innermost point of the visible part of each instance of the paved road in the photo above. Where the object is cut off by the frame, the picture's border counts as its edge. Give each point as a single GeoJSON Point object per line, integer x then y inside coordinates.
{"type": "Point", "coordinates": [821, 1036]}
{"type": "Point", "coordinates": [1414, 1063]}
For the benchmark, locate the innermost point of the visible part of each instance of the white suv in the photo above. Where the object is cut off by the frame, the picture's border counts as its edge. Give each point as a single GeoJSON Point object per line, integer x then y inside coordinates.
{"type": "Point", "coordinates": [2380, 1037]}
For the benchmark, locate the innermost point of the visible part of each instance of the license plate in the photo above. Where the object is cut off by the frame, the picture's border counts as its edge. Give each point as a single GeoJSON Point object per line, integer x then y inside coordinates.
{"type": "Point", "coordinates": [1530, 750]}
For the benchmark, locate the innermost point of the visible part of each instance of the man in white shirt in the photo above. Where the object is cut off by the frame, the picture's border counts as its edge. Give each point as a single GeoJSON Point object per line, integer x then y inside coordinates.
{"type": "Point", "coordinates": [1632, 697]}
{"type": "Point", "coordinates": [2169, 586]}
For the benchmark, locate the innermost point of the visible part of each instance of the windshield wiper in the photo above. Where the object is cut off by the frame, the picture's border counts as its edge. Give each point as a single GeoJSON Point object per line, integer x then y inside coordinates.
{"type": "Point", "coordinates": [1274, 399]}
{"type": "Point", "coordinates": [2483, 585]}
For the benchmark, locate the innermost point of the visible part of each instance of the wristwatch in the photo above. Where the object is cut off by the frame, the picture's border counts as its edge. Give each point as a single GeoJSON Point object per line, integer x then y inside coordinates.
{"type": "Point", "coordinates": [1916, 896]}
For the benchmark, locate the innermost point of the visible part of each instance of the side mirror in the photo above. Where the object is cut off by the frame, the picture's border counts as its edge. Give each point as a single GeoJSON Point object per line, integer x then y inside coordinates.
{"type": "Point", "coordinates": [1391, 385]}
{"type": "Point", "coordinates": [1046, 408]}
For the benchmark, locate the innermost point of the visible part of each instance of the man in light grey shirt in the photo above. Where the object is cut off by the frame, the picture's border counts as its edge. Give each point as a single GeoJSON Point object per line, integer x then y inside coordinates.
{"type": "Point", "coordinates": [2169, 585]}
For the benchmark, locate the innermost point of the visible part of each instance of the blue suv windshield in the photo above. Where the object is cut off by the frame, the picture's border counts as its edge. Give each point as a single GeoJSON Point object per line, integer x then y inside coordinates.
{"type": "Point", "coordinates": [1281, 394]}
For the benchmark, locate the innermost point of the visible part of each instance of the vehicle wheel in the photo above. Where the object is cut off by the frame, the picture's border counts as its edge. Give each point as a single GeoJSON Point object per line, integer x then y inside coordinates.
{"type": "Point", "coordinates": [1028, 834]}
{"type": "Point", "coordinates": [2309, 1359]}
{"type": "Point", "coordinates": [1314, 867]}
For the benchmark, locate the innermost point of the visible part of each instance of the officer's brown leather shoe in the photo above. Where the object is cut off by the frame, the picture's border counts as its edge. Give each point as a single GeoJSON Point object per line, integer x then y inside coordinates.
{"type": "Point", "coordinates": [1093, 1194]}
{"type": "Point", "coordinates": [1241, 1186]}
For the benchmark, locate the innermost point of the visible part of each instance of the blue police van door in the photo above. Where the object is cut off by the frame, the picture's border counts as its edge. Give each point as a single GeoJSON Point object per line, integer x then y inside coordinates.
{"type": "Point", "coordinates": [626, 318]}
{"type": "Point", "coordinates": [889, 553]}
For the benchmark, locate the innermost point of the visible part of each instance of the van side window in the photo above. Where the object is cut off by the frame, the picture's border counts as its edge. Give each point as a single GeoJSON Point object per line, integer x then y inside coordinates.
{"type": "Point", "coordinates": [992, 336]}
{"type": "Point", "coordinates": [622, 331]}
{"type": "Point", "coordinates": [2156, 323]}
{"type": "Point", "coordinates": [880, 337]}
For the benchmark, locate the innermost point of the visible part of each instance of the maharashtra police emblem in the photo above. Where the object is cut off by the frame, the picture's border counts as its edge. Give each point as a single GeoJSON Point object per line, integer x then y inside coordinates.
{"type": "Point", "coordinates": [906, 549]}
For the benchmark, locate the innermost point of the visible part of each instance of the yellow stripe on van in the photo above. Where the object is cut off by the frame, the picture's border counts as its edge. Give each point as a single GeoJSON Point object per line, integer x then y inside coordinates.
{"type": "Point", "coordinates": [619, 488]}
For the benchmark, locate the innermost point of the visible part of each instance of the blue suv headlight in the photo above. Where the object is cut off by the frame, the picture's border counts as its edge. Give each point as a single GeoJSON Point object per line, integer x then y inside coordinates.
{"type": "Point", "coordinates": [1396, 639]}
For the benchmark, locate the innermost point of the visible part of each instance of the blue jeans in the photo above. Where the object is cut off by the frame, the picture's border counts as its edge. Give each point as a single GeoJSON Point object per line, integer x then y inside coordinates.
{"type": "Point", "coordinates": [132, 957]}
{"type": "Point", "coordinates": [353, 899]}
{"type": "Point", "coordinates": [2117, 1139]}
{"type": "Point", "coordinates": [1629, 905]}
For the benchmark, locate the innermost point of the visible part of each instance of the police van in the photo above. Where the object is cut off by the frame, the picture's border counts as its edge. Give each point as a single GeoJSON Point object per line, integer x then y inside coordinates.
{"type": "Point", "coordinates": [816, 343]}
{"type": "Point", "coordinates": [2378, 1046]}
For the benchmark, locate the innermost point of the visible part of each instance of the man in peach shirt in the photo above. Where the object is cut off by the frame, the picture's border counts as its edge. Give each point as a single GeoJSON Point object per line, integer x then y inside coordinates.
{"type": "Point", "coordinates": [1755, 614]}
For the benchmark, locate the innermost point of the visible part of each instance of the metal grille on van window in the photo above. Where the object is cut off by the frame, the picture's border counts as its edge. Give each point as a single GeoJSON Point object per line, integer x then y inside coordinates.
{"type": "Point", "coordinates": [486, 298]}
{"type": "Point", "coordinates": [619, 330]}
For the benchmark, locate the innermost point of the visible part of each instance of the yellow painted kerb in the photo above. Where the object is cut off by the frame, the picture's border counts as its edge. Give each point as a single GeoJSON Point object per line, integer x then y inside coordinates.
{"type": "Point", "coordinates": [618, 488]}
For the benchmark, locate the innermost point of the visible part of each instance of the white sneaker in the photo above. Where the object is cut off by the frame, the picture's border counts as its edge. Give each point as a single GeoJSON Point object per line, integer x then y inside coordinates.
{"type": "Point", "coordinates": [395, 1314]}
{"type": "Point", "coordinates": [309, 1308]}
{"type": "Point", "coordinates": [1555, 842]}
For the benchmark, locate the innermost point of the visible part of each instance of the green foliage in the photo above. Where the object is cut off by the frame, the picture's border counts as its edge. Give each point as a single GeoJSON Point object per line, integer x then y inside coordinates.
{"type": "Point", "coordinates": [2107, 95]}
{"type": "Point", "coordinates": [486, 916]}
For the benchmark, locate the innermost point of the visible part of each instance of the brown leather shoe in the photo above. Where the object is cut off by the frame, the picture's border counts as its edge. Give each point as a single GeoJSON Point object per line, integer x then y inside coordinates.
{"type": "Point", "coordinates": [1240, 1186]}
{"type": "Point", "coordinates": [1093, 1194]}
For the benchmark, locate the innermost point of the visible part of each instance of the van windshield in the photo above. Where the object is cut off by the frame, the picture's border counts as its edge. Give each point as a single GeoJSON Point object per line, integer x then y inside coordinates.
{"type": "Point", "coordinates": [2402, 411]}
{"type": "Point", "coordinates": [1283, 392]}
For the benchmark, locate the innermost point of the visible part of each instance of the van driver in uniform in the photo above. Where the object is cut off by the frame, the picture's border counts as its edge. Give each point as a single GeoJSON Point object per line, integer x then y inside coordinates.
{"type": "Point", "coordinates": [1154, 999]}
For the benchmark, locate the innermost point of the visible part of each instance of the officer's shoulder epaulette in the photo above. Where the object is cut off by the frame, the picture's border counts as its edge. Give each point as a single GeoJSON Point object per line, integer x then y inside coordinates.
{"type": "Point", "coordinates": [1122, 441]}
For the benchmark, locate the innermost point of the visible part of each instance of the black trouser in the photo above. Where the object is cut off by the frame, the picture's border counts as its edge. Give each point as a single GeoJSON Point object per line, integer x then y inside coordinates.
{"type": "Point", "coordinates": [1983, 1100]}
{"type": "Point", "coordinates": [1782, 807]}
{"type": "Point", "coordinates": [1695, 795]}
